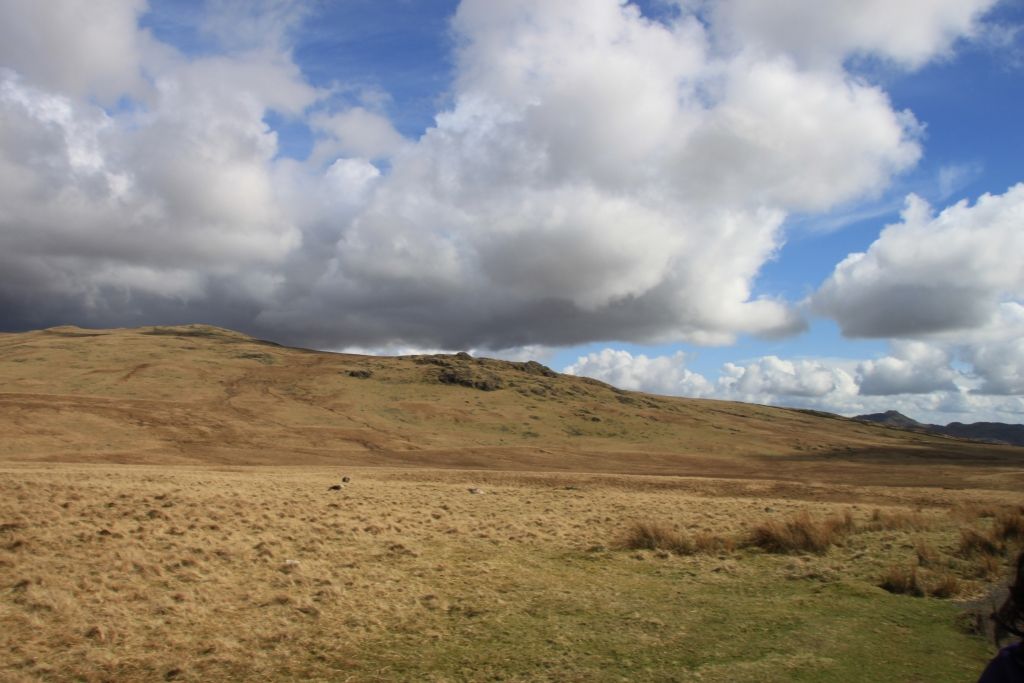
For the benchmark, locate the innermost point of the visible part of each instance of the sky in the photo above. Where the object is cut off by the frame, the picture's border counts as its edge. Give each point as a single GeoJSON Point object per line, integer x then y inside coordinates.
{"type": "Point", "coordinates": [809, 203]}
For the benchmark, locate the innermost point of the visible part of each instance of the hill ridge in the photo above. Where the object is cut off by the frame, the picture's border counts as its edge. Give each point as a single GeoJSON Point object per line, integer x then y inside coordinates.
{"type": "Point", "coordinates": [201, 394]}
{"type": "Point", "coordinates": [985, 432]}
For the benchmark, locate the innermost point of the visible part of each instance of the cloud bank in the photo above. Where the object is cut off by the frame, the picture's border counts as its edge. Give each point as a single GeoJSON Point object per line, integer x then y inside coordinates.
{"type": "Point", "coordinates": [917, 379]}
{"type": "Point", "coordinates": [945, 288]}
{"type": "Point", "coordinates": [593, 175]}
{"type": "Point", "coordinates": [597, 175]}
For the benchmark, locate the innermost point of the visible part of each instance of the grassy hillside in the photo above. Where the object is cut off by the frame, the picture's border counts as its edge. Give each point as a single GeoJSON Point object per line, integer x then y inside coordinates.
{"type": "Point", "coordinates": [200, 394]}
{"type": "Point", "coordinates": [488, 531]}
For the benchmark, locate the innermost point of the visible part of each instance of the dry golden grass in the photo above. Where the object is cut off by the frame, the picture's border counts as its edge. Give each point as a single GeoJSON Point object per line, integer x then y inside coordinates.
{"type": "Point", "coordinates": [1009, 525]}
{"type": "Point", "coordinates": [652, 535]}
{"type": "Point", "coordinates": [945, 585]}
{"type": "Point", "coordinates": [137, 543]}
{"type": "Point", "coordinates": [263, 573]}
{"type": "Point", "coordinates": [911, 580]}
{"type": "Point", "coordinates": [927, 554]}
{"type": "Point", "coordinates": [656, 535]}
{"type": "Point", "coordinates": [900, 519]}
{"type": "Point", "coordinates": [974, 542]}
{"type": "Point", "coordinates": [800, 533]}
{"type": "Point", "coordinates": [917, 582]}
{"type": "Point", "coordinates": [971, 511]}
{"type": "Point", "coordinates": [903, 580]}
{"type": "Point", "coordinates": [202, 395]}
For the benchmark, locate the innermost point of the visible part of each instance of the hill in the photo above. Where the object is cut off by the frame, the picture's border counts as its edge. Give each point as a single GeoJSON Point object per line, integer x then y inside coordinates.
{"type": "Point", "coordinates": [198, 394]}
{"type": "Point", "coordinates": [989, 432]}
{"type": "Point", "coordinates": [486, 530]}
{"type": "Point", "coordinates": [892, 418]}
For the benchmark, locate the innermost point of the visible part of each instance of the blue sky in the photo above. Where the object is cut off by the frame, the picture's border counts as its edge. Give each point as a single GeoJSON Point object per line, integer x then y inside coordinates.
{"type": "Point", "coordinates": [657, 196]}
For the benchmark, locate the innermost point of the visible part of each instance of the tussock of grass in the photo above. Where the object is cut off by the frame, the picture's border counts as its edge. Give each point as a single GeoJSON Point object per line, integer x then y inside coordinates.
{"type": "Point", "coordinates": [987, 567]}
{"type": "Point", "coordinates": [903, 581]}
{"type": "Point", "coordinates": [657, 535]}
{"type": "Point", "coordinates": [910, 580]}
{"type": "Point", "coordinates": [927, 555]}
{"type": "Point", "coordinates": [653, 535]}
{"type": "Point", "coordinates": [801, 533]}
{"type": "Point", "coordinates": [713, 543]}
{"type": "Point", "coordinates": [946, 585]}
{"type": "Point", "coordinates": [1009, 526]}
{"type": "Point", "coordinates": [898, 520]}
{"type": "Point", "coordinates": [987, 548]}
{"type": "Point", "coordinates": [974, 543]}
{"type": "Point", "coordinates": [972, 511]}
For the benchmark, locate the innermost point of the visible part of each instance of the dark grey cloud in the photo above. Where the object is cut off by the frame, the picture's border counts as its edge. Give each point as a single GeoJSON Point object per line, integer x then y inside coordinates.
{"type": "Point", "coordinates": [897, 309]}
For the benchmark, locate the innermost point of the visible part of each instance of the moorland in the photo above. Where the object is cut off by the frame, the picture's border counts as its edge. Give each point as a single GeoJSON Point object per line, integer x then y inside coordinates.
{"type": "Point", "coordinates": [171, 509]}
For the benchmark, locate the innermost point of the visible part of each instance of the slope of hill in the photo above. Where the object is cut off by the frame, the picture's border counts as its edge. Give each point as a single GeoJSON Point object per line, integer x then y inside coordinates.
{"type": "Point", "coordinates": [201, 394]}
{"type": "Point", "coordinates": [892, 418]}
{"type": "Point", "coordinates": [568, 572]}
{"type": "Point", "coordinates": [990, 432]}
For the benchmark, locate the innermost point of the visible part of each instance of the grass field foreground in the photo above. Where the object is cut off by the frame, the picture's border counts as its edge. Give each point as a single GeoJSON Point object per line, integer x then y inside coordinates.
{"type": "Point", "coordinates": [236, 573]}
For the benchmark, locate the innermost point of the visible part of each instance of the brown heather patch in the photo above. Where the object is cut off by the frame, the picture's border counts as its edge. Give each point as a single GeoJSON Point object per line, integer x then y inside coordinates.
{"type": "Point", "coordinates": [974, 542]}
{"type": "Point", "coordinates": [800, 533]}
{"type": "Point", "coordinates": [890, 520]}
{"type": "Point", "coordinates": [927, 555]}
{"type": "Point", "coordinates": [945, 585]}
{"type": "Point", "coordinates": [972, 510]}
{"type": "Point", "coordinates": [903, 580]}
{"type": "Point", "coordinates": [1009, 525]}
{"type": "Point", "coordinates": [653, 535]}
{"type": "Point", "coordinates": [657, 535]}
{"type": "Point", "coordinates": [987, 567]}
{"type": "Point", "coordinates": [911, 580]}
{"type": "Point", "coordinates": [706, 542]}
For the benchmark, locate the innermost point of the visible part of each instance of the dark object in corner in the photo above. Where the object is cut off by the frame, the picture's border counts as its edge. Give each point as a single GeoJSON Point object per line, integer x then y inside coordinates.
{"type": "Point", "coordinates": [1008, 665]}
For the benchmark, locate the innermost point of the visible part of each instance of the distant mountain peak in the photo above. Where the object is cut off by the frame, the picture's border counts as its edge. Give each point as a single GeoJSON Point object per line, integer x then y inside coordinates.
{"type": "Point", "coordinates": [891, 418]}
{"type": "Point", "coordinates": [989, 432]}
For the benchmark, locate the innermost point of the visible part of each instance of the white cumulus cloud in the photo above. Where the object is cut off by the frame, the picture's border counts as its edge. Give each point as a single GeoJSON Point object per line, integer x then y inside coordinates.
{"type": "Point", "coordinates": [658, 375]}
{"type": "Point", "coordinates": [913, 368]}
{"type": "Point", "coordinates": [774, 378]}
{"type": "Point", "coordinates": [899, 381]}
{"type": "Point", "coordinates": [931, 274]}
{"type": "Point", "coordinates": [601, 175]}
{"type": "Point", "coordinates": [77, 47]}
{"type": "Point", "coordinates": [595, 174]}
{"type": "Point", "coordinates": [825, 32]}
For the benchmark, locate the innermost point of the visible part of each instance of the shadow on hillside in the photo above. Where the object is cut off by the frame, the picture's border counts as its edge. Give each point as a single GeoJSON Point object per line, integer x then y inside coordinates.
{"type": "Point", "coordinates": [977, 466]}
{"type": "Point", "coordinates": [967, 455]}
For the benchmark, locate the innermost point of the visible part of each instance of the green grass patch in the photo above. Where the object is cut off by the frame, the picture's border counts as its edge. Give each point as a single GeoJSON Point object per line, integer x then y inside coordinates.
{"type": "Point", "coordinates": [609, 617]}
